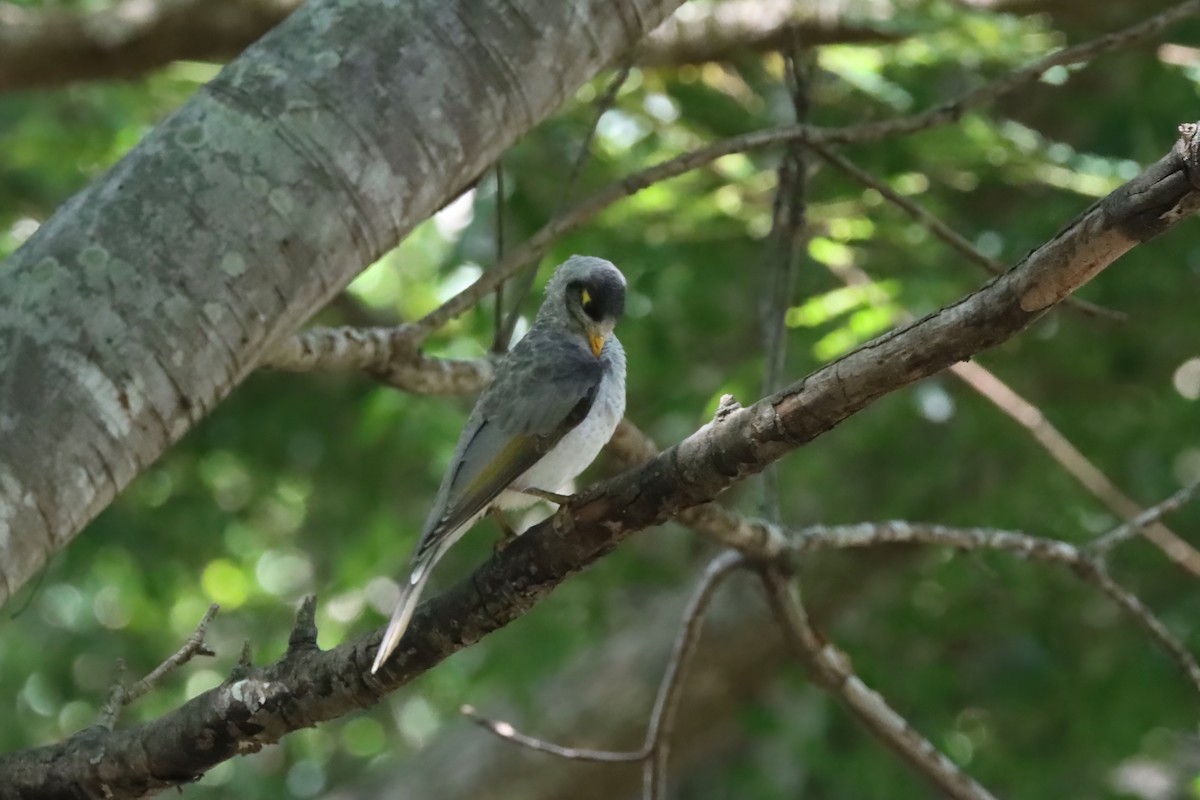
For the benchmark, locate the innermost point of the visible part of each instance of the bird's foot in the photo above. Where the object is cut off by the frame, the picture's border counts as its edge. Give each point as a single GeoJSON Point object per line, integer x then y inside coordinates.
{"type": "Point", "coordinates": [551, 497]}
{"type": "Point", "coordinates": [507, 534]}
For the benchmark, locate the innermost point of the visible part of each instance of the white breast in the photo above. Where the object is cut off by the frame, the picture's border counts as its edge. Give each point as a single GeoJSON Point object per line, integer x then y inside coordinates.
{"type": "Point", "coordinates": [580, 446]}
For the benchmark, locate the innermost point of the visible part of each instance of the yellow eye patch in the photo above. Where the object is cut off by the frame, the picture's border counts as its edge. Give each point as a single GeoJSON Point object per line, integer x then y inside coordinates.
{"type": "Point", "coordinates": [586, 297]}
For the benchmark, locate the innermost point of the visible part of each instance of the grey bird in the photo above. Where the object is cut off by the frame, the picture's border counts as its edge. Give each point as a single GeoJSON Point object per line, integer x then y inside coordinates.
{"type": "Point", "coordinates": [555, 401]}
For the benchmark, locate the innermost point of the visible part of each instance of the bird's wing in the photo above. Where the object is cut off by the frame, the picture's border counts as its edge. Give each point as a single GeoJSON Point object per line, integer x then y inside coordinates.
{"type": "Point", "coordinates": [545, 388]}
{"type": "Point", "coordinates": [544, 393]}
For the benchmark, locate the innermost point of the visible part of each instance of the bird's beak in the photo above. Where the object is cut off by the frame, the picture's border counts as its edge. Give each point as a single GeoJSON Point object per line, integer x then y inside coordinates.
{"type": "Point", "coordinates": [596, 340]}
{"type": "Point", "coordinates": [597, 335]}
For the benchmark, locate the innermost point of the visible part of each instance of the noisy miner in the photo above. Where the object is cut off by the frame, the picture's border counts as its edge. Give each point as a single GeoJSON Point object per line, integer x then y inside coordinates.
{"type": "Point", "coordinates": [556, 399]}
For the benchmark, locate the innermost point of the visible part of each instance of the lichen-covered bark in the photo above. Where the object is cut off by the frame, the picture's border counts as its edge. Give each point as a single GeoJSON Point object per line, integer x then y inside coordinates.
{"type": "Point", "coordinates": [148, 296]}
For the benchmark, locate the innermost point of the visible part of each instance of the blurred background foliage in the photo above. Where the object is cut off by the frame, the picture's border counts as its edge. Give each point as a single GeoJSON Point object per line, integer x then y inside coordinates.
{"type": "Point", "coordinates": [304, 483]}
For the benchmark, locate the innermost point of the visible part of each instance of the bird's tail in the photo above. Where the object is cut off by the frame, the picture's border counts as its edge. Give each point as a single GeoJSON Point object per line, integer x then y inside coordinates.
{"type": "Point", "coordinates": [410, 594]}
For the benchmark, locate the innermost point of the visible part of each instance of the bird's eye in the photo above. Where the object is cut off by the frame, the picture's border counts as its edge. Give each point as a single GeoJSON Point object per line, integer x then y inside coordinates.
{"type": "Point", "coordinates": [589, 305]}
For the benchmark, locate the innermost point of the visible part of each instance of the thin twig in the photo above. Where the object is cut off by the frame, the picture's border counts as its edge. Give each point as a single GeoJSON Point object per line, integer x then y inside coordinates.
{"type": "Point", "coordinates": [507, 732]}
{"type": "Point", "coordinates": [111, 710]}
{"type": "Point", "coordinates": [303, 637]}
{"type": "Point", "coordinates": [603, 105]}
{"type": "Point", "coordinates": [120, 696]}
{"type": "Point", "coordinates": [942, 231]}
{"type": "Point", "coordinates": [499, 343]}
{"type": "Point", "coordinates": [655, 747]}
{"type": "Point", "coordinates": [1142, 522]}
{"type": "Point", "coordinates": [1093, 571]}
{"type": "Point", "coordinates": [785, 246]}
{"type": "Point", "coordinates": [662, 719]}
{"type": "Point", "coordinates": [942, 114]}
{"type": "Point", "coordinates": [831, 668]}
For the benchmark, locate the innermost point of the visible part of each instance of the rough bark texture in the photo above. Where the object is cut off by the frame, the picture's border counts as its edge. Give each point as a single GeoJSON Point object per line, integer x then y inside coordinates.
{"type": "Point", "coordinates": [308, 686]}
{"type": "Point", "coordinates": [148, 296]}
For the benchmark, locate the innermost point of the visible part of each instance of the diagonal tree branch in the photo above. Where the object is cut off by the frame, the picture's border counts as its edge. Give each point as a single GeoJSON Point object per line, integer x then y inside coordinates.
{"type": "Point", "coordinates": [308, 686]}
{"type": "Point", "coordinates": [122, 695]}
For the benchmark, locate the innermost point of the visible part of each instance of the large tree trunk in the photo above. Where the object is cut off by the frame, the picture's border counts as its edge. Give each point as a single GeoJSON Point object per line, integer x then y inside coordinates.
{"type": "Point", "coordinates": [148, 296]}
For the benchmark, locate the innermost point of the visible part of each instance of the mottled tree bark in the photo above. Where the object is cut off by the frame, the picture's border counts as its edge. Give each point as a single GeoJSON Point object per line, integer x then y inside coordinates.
{"type": "Point", "coordinates": [149, 295]}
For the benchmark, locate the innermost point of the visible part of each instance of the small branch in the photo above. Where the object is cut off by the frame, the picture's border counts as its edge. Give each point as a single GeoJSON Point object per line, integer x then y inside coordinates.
{"type": "Point", "coordinates": [1092, 571]}
{"type": "Point", "coordinates": [244, 666]}
{"type": "Point", "coordinates": [662, 719]}
{"type": "Point", "coordinates": [785, 246]}
{"type": "Point", "coordinates": [736, 27]}
{"type": "Point", "coordinates": [345, 348]}
{"type": "Point", "coordinates": [874, 534]}
{"type": "Point", "coordinates": [655, 748]}
{"type": "Point", "coordinates": [603, 105]}
{"type": "Point", "coordinates": [120, 696]}
{"type": "Point", "coordinates": [507, 732]}
{"type": "Point", "coordinates": [304, 632]}
{"type": "Point", "coordinates": [111, 710]}
{"type": "Point", "coordinates": [942, 231]}
{"type": "Point", "coordinates": [831, 668]}
{"type": "Point", "coordinates": [1143, 521]}
{"type": "Point", "coordinates": [420, 374]}
{"type": "Point", "coordinates": [499, 341]}
{"type": "Point", "coordinates": [389, 354]}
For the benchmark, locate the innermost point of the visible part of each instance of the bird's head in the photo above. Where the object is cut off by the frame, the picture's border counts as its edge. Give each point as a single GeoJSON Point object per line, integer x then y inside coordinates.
{"type": "Point", "coordinates": [587, 296]}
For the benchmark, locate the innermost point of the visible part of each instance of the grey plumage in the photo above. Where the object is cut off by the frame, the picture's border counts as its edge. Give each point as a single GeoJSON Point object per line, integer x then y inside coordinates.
{"type": "Point", "coordinates": [555, 401]}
